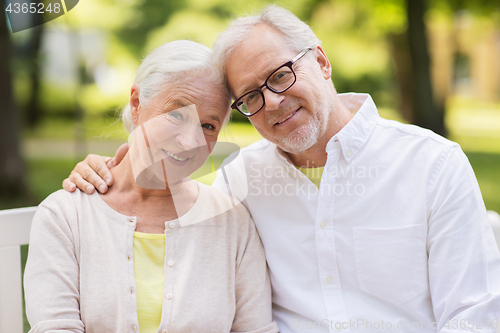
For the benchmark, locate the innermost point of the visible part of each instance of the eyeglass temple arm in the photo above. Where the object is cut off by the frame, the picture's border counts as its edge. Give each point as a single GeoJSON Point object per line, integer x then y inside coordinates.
{"type": "Point", "coordinates": [301, 54]}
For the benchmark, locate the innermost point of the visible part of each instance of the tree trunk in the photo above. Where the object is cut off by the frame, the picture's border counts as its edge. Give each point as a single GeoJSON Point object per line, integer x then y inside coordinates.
{"type": "Point", "coordinates": [12, 185]}
{"type": "Point", "coordinates": [404, 74]}
{"type": "Point", "coordinates": [33, 110]}
{"type": "Point", "coordinates": [425, 111]}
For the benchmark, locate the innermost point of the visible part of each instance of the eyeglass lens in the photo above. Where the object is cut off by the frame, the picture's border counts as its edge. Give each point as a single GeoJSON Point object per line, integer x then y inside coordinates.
{"type": "Point", "coordinates": [282, 79]}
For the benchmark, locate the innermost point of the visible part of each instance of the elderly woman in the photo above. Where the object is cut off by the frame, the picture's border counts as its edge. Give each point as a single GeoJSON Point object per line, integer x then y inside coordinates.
{"type": "Point", "coordinates": [157, 252]}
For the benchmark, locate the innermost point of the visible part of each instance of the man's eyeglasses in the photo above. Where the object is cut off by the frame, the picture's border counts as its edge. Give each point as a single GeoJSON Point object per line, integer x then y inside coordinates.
{"type": "Point", "coordinates": [278, 82]}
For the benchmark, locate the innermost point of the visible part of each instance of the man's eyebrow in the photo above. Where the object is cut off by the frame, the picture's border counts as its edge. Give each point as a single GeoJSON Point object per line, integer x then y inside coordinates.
{"type": "Point", "coordinates": [246, 88]}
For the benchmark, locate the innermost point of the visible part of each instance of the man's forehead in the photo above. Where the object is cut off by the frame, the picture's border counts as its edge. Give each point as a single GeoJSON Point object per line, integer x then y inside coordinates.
{"type": "Point", "coordinates": [262, 39]}
{"type": "Point", "coordinates": [263, 52]}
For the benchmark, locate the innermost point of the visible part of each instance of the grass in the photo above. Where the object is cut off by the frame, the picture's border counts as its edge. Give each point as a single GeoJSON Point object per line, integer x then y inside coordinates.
{"type": "Point", "coordinates": [487, 169]}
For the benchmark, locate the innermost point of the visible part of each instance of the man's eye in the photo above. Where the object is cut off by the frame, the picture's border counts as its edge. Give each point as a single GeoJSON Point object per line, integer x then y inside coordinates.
{"type": "Point", "coordinates": [281, 76]}
{"type": "Point", "coordinates": [250, 98]}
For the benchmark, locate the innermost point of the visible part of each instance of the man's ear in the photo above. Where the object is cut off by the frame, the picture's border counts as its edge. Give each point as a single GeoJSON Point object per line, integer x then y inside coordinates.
{"type": "Point", "coordinates": [324, 63]}
{"type": "Point", "coordinates": [135, 105]}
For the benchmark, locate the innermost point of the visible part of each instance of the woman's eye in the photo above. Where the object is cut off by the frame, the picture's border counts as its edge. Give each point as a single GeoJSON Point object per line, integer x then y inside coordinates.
{"type": "Point", "coordinates": [207, 126]}
{"type": "Point", "coordinates": [176, 115]}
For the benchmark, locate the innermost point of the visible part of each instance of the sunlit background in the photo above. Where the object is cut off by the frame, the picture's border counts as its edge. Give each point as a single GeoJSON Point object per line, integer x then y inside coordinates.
{"type": "Point", "coordinates": [70, 77]}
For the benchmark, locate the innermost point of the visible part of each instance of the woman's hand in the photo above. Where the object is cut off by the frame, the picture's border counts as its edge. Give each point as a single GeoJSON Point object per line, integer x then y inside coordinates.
{"type": "Point", "coordinates": [93, 172]}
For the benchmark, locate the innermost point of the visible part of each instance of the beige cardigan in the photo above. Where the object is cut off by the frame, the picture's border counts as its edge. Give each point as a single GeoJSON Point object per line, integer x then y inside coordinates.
{"type": "Point", "coordinates": [79, 276]}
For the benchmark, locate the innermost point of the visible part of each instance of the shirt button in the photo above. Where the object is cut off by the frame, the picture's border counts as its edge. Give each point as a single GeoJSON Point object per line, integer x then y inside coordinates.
{"type": "Point", "coordinates": [131, 290]}
{"type": "Point", "coordinates": [329, 279]}
{"type": "Point", "coordinates": [171, 225]}
{"type": "Point", "coordinates": [348, 153]}
{"type": "Point", "coordinates": [322, 225]}
{"type": "Point", "coordinates": [133, 328]}
{"type": "Point", "coordinates": [169, 296]}
{"type": "Point", "coordinates": [170, 263]}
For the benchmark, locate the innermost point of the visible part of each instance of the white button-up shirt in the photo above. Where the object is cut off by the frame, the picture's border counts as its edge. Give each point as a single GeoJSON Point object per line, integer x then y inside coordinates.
{"type": "Point", "coordinates": [397, 238]}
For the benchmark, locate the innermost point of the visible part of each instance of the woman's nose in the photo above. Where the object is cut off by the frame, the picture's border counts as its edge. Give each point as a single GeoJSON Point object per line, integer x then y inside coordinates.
{"type": "Point", "coordinates": [190, 137]}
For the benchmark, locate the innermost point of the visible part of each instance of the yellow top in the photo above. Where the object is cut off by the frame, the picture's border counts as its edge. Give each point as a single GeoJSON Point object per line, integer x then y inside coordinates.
{"type": "Point", "coordinates": [314, 174]}
{"type": "Point", "coordinates": [149, 254]}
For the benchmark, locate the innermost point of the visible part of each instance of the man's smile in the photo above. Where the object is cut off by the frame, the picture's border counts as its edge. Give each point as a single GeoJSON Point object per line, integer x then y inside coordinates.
{"type": "Point", "coordinates": [286, 118]}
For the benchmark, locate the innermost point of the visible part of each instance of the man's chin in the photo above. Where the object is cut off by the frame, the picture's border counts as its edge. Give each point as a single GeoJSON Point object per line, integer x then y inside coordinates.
{"type": "Point", "coordinates": [300, 142]}
{"type": "Point", "coordinates": [293, 149]}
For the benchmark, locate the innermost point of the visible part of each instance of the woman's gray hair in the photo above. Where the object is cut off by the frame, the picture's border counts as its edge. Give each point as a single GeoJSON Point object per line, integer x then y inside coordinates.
{"type": "Point", "coordinates": [174, 62]}
{"type": "Point", "coordinates": [297, 34]}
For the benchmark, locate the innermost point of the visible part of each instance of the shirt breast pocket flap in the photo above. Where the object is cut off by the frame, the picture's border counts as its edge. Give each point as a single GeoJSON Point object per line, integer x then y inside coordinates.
{"type": "Point", "coordinates": [391, 263]}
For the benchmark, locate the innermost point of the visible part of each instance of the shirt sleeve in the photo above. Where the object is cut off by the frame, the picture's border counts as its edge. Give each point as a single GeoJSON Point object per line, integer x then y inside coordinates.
{"type": "Point", "coordinates": [464, 261]}
{"type": "Point", "coordinates": [253, 287]}
{"type": "Point", "coordinates": [231, 177]}
{"type": "Point", "coordinates": [51, 278]}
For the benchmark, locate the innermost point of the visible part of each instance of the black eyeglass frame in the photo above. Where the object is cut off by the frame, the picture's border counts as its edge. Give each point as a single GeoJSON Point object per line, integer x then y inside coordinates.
{"type": "Point", "coordinates": [288, 64]}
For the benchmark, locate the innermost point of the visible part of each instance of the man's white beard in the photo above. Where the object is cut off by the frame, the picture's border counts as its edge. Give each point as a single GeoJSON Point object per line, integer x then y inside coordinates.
{"type": "Point", "coordinates": [303, 139]}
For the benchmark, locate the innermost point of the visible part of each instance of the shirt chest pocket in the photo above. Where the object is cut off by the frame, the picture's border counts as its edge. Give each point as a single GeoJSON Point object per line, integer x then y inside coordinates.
{"type": "Point", "coordinates": [391, 263]}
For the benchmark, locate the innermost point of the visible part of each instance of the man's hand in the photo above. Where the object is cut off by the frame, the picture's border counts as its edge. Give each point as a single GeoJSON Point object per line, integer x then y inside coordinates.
{"type": "Point", "coordinates": [93, 172]}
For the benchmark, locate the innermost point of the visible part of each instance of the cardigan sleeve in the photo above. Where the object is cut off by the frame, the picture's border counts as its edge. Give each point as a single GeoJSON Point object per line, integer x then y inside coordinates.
{"type": "Point", "coordinates": [253, 287]}
{"type": "Point", "coordinates": [51, 279]}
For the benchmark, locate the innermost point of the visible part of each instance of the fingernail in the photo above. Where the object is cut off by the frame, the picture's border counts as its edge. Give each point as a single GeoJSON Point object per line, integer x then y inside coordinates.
{"type": "Point", "coordinates": [89, 189]}
{"type": "Point", "coordinates": [108, 181]}
{"type": "Point", "coordinates": [102, 188]}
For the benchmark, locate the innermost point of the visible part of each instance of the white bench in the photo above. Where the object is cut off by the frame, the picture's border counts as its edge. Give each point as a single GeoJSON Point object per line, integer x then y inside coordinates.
{"type": "Point", "coordinates": [15, 225]}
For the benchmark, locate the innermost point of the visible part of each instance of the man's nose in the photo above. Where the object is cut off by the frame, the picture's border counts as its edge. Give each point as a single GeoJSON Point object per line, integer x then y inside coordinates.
{"type": "Point", "coordinates": [272, 99]}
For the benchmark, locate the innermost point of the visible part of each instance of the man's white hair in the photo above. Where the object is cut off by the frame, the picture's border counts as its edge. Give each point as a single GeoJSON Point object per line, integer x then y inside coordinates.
{"type": "Point", "coordinates": [176, 62]}
{"type": "Point", "coordinates": [297, 34]}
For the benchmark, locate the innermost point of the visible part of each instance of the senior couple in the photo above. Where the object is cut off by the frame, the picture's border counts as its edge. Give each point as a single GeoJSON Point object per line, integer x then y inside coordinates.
{"type": "Point", "coordinates": [368, 225]}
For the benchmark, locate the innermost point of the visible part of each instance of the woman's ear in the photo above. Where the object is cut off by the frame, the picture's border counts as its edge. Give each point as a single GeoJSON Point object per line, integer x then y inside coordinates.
{"type": "Point", "coordinates": [135, 105]}
{"type": "Point", "coordinates": [324, 63]}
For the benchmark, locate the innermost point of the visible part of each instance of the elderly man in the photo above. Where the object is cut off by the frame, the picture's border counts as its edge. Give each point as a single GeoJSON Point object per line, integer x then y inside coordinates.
{"type": "Point", "coordinates": [368, 224]}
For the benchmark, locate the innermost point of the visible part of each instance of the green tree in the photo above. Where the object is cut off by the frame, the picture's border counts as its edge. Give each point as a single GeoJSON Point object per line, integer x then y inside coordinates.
{"type": "Point", "coordinates": [12, 182]}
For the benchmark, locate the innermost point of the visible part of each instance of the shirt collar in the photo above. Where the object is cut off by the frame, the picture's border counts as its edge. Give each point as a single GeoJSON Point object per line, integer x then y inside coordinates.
{"type": "Point", "coordinates": [353, 136]}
